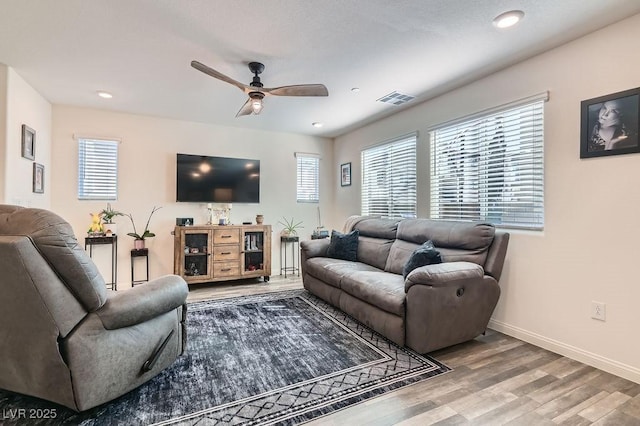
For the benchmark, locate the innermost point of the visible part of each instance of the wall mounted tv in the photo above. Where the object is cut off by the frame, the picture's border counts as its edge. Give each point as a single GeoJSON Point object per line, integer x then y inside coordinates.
{"type": "Point", "coordinates": [205, 179]}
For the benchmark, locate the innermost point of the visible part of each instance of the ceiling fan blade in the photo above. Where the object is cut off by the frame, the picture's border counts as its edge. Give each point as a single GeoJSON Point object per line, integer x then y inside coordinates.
{"type": "Point", "coordinates": [246, 108]}
{"type": "Point", "coordinates": [299, 90]}
{"type": "Point", "coordinates": [215, 74]}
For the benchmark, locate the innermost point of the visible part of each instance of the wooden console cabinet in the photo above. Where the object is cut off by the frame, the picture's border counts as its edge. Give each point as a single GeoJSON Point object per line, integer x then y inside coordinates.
{"type": "Point", "coordinates": [221, 253]}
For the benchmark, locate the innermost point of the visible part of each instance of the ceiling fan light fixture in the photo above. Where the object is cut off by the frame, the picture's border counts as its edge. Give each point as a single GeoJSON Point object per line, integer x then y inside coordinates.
{"type": "Point", "coordinates": [508, 19]}
{"type": "Point", "coordinates": [256, 101]}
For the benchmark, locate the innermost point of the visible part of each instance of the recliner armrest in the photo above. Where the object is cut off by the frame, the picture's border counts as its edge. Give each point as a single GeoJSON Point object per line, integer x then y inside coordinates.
{"type": "Point", "coordinates": [144, 302]}
{"type": "Point", "coordinates": [443, 274]}
{"type": "Point", "coordinates": [315, 248]}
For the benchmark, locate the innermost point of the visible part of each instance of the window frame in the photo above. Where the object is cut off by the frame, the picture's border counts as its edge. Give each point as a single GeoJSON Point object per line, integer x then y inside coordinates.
{"type": "Point", "coordinates": [109, 149]}
{"type": "Point", "coordinates": [390, 182]}
{"type": "Point", "coordinates": [303, 192]}
{"type": "Point", "coordinates": [510, 195]}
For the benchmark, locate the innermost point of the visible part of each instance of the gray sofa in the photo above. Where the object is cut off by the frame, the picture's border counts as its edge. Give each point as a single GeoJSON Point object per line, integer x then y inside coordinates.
{"type": "Point", "coordinates": [437, 305]}
{"type": "Point", "coordinates": [63, 336]}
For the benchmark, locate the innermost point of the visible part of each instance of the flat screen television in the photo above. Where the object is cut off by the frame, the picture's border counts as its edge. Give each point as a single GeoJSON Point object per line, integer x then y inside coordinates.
{"type": "Point", "coordinates": [205, 179]}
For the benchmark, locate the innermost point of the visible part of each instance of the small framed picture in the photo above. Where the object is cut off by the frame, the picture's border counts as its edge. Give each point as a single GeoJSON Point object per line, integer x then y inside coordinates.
{"type": "Point", "coordinates": [28, 142]}
{"type": "Point", "coordinates": [38, 178]}
{"type": "Point", "coordinates": [609, 124]}
{"type": "Point", "coordinates": [345, 174]}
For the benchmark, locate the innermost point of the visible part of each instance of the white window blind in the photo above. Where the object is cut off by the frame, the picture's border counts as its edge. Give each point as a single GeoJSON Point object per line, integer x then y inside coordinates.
{"type": "Point", "coordinates": [389, 178]}
{"type": "Point", "coordinates": [308, 178]}
{"type": "Point", "coordinates": [97, 169]}
{"type": "Point", "coordinates": [491, 167]}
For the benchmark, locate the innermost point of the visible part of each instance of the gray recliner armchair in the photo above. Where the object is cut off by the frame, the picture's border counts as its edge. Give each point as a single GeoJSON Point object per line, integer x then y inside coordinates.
{"type": "Point", "coordinates": [63, 336]}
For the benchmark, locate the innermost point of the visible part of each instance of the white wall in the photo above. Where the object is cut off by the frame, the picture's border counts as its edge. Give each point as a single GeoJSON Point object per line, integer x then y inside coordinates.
{"type": "Point", "coordinates": [590, 246]}
{"type": "Point", "coordinates": [4, 70]}
{"type": "Point", "coordinates": [147, 174]}
{"type": "Point", "coordinates": [25, 106]}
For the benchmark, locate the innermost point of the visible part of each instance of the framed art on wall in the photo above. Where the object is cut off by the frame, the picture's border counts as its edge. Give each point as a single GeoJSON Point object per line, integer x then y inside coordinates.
{"type": "Point", "coordinates": [609, 124]}
{"type": "Point", "coordinates": [345, 174]}
{"type": "Point", "coordinates": [38, 178]}
{"type": "Point", "coordinates": [28, 142]}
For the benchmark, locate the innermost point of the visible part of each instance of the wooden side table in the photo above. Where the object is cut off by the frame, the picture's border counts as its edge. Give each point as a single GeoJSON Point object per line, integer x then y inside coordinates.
{"type": "Point", "coordinates": [139, 253]}
{"type": "Point", "coordinates": [106, 240]}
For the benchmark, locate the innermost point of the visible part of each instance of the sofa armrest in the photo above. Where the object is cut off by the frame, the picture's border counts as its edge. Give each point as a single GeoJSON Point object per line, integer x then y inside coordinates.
{"type": "Point", "coordinates": [314, 248]}
{"type": "Point", "coordinates": [444, 274]}
{"type": "Point", "coordinates": [144, 302]}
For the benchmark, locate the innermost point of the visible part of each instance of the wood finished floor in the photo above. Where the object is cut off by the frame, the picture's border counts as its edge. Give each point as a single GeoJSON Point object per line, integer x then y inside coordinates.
{"type": "Point", "coordinates": [496, 380]}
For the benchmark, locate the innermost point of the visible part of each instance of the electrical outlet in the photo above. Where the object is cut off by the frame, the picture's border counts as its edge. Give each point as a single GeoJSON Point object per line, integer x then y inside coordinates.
{"type": "Point", "coordinates": [598, 311]}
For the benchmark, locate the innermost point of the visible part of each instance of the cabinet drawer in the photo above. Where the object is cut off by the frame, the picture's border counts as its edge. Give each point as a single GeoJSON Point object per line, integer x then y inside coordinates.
{"type": "Point", "coordinates": [226, 236]}
{"type": "Point", "coordinates": [226, 252]}
{"type": "Point", "coordinates": [226, 269]}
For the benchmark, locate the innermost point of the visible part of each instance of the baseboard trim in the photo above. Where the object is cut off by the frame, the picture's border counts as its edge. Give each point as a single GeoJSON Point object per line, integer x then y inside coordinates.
{"type": "Point", "coordinates": [610, 366]}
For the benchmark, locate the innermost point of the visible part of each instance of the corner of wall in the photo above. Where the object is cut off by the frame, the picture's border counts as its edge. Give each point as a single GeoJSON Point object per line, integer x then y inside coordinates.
{"type": "Point", "coordinates": [3, 129]}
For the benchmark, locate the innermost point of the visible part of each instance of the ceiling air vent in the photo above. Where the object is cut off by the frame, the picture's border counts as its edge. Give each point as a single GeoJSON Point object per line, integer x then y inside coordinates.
{"type": "Point", "coordinates": [396, 98]}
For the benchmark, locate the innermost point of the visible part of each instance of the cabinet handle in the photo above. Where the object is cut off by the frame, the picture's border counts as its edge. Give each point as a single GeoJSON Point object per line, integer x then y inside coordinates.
{"type": "Point", "coordinates": [226, 252]}
{"type": "Point", "coordinates": [226, 236]}
{"type": "Point", "coordinates": [225, 269]}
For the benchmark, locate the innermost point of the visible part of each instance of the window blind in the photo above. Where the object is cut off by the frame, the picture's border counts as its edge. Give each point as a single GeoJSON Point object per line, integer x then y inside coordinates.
{"type": "Point", "coordinates": [97, 169]}
{"type": "Point", "coordinates": [491, 168]}
{"type": "Point", "coordinates": [389, 178]}
{"type": "Point", "coordinates": [308, 185]}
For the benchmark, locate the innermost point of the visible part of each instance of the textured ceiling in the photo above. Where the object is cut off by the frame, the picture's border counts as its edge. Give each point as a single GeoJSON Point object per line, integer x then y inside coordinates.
{"type": "Point", "coordinates": [140, 50]}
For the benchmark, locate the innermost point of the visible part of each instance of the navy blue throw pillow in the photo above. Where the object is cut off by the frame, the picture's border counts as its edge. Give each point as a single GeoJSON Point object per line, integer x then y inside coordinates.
{"type": "Point", "coordinates": [344, 246]}
{"type": "Point", "coordinates": [426, 254]}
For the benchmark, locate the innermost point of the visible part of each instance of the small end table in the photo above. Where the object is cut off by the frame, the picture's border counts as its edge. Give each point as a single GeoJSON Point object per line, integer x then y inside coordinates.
{"type": "Point", "coordinates": [139, 253]}
{"type": "Point", "coordinates": [295, 246]}
{"type": "Point", "coordinates": [106, 240]}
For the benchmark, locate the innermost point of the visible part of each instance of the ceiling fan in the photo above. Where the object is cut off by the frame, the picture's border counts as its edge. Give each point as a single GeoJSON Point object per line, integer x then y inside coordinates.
{"type": "Point", "coordinates": [257, 92]}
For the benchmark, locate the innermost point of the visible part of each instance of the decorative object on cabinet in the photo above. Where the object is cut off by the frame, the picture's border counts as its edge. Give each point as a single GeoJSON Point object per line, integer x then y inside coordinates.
{"type": "Point", "coordinates": [184, 221]}
{"type": "Point", "coordinates": [345, 174]}
{"type": "Point", "coordinates": [609, 124]}
{"type": "Point", "coordinates": [38, 178]}
{"type": "Point", "coordinates": [28, 142]}
{"type": "Point", "coordinates": [209, 253]}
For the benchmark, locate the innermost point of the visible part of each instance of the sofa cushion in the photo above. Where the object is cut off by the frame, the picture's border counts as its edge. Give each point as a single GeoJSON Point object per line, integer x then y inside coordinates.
{"type": "Point", "coordinates": [331, 270]}
{"type": "Point", "coordinates": [399, 255]}
{"type": "Point", "coordinates": [456, 241]}
{"type": "Point", "coordinates": [426, 254]}
{"type": "Point", "coordinates": [447, 234]}
{"type": "Point", "coordinates": [344, 246]}
{"type": "Point", "coordinates": [380, 289]}
{"type": "Point", "coordinates": [374, 251]}
{"type": "Point", "coordinates": [377, 228]}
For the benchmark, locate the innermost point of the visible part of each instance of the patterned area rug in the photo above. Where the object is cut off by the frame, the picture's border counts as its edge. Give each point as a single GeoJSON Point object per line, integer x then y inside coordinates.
{"type": "Point", "coordinates": [279, 358]}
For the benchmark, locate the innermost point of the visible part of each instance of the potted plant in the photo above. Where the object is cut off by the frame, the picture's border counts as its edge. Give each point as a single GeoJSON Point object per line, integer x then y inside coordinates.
{"type": "Point", "coordinates": [290, 227]}
{"type": "Point", "coordinates": [138, 243]}
{"type": "Point", "coordinates": [107, 219]}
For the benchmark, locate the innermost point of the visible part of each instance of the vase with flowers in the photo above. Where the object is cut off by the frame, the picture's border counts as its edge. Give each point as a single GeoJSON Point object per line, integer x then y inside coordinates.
{"type": "Point", "coordinates": [138, 242]}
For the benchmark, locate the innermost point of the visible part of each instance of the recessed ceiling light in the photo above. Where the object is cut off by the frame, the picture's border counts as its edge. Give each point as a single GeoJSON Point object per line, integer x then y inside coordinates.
{"type": "Point", "coordinates": [508, 19]}
{"type": "Point", "coordinates": [355, 89]}
{"type": "Point", "coordinates": [105, 95]}
{"type": "Point", "coordinates": [317, 124]}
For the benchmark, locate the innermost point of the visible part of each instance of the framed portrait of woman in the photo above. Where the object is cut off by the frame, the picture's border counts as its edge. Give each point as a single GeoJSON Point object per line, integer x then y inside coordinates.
{"type": "Point", "coordinates": [609, 124]}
